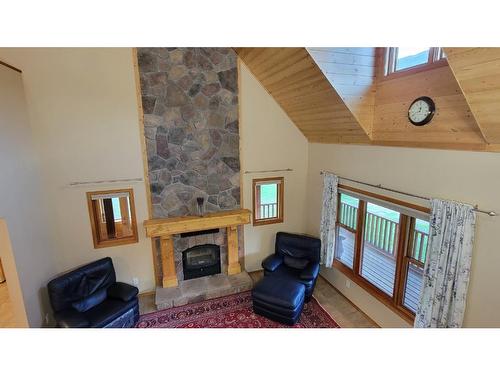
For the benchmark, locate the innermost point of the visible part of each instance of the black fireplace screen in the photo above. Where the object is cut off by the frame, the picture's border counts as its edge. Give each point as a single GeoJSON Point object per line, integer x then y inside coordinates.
{"type": "Point", "coordinates": [201, 260]}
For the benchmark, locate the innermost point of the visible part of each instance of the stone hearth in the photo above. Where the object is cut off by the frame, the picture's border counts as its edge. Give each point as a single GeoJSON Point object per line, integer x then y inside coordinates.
{"type": "Point", "coordinates": [200, 289]}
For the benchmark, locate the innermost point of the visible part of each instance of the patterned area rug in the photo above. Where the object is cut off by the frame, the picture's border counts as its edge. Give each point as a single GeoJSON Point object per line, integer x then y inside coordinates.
{"type": "Point", "coordinates": [234, 311]}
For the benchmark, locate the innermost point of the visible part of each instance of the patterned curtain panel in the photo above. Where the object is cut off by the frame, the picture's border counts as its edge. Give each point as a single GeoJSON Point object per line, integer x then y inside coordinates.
{"type": "Point", "coordinates": [328, 218]}
{"type": "Point", "coordinates": [447, 269]}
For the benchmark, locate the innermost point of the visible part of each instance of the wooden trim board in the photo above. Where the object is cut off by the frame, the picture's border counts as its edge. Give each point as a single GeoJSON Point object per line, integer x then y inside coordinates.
{"type": "Point", "coordinates": [184, 224]}
{"type": "Point", "coordinates": [147, 186]}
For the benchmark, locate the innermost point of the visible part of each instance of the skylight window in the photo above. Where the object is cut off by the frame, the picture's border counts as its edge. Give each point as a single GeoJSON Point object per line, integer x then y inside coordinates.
{"type": "Point", "coordinates": [400, 59]}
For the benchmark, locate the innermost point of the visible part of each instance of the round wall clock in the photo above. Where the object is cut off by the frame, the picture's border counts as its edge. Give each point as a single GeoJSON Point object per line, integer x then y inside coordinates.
{"type": "Point", "coordinates": [421, 111]}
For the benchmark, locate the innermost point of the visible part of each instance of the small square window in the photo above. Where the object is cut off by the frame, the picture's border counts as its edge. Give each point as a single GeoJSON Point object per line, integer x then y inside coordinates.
{"type": "Point", "coordinates": [268, 196]}
{"type": "Point", "coordinates": [112, 217]}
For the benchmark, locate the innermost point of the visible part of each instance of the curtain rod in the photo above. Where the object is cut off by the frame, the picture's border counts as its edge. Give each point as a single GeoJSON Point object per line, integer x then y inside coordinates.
{"type": "Point", "coordinates": [270, 170]}
{"type": "Point", "coordinates": [138, 179]}
{"type": "Point", "coordinates": [379, 186]}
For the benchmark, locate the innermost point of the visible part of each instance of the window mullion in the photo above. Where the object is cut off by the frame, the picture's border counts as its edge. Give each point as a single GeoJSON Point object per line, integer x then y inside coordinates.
{"type": "Point", "coordinates": [432, 55]}
{"type": "Point", "coordinates": [401, 270]}
{"type": "Point", "coordinates": [359, 236]}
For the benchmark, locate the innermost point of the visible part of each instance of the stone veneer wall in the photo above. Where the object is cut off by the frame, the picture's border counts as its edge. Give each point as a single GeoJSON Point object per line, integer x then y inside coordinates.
{"type": "Point", "coordinates": [190, 104]}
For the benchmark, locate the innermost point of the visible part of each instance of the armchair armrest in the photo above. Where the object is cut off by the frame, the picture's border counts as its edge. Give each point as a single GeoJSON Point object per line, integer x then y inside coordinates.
{"type": "Point", "coordinates": [122, 291]}
{"type": "Point", "coordinates": [272, 262]}
{"type": "Point", "coordinates": [310, 272]}
{"type": "Point", "coordinates": [71, 319]}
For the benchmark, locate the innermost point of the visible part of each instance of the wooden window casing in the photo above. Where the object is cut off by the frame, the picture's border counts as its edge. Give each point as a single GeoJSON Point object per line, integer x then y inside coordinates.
{"type": "Point", "coordinates": [102, 219]}
{"type": "Point", "coordinates": [436, 59]}
{"type": "Point", "coordinates": [256, 199]}
{"type": "Point", "coordinates": [403, 258]}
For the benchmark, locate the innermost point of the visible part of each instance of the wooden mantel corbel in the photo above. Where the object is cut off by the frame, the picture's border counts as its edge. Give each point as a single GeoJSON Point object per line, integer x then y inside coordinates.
{"type": "Point", "coordinates": [166, 228]}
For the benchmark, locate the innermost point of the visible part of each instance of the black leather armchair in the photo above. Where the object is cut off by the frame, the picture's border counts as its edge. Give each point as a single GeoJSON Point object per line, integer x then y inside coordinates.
{"type": "Point", "coordinates": [90, 297]}
{"type": "Point", "coordinates": [295, 257]}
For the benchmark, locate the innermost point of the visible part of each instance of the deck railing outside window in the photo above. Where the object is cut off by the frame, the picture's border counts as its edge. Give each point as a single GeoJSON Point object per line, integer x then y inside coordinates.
{"type": "Point", "coordinates": [380, 232]}
{"type": "Point", "coordinates": [268, 211]}
{"type": "Point", "coordinates": [348, 215]}
{"type": "Point", "coordinates": [419, 248]}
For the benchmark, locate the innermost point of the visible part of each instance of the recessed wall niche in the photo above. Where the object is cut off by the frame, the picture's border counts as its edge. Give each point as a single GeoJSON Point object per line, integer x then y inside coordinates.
{"type": "Point", "coordinates": [112, 217]}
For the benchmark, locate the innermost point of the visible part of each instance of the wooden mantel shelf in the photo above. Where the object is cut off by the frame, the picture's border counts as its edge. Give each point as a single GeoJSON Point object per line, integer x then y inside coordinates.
{"type": "Point", "coordinates": [183, 224]}
{"type": "Point", "coordinates": [165, 228]}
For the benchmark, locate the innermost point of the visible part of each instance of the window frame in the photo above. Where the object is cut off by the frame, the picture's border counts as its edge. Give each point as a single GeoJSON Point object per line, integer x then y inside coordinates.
{"type": "Point", "coordinates": [94, 220]}
{"type": "Point", "coordinates": [436, 60]}
{"type": "Point", "coordinates": [395, 303]}
{"type": "Point", "coordinates": [281, 197]}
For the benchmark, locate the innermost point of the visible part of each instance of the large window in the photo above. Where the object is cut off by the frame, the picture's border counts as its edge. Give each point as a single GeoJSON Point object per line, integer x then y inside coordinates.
{"type": "Point", "coordinates": [381, 244]}
{"type": "Point", "coordinates": [401, 59]}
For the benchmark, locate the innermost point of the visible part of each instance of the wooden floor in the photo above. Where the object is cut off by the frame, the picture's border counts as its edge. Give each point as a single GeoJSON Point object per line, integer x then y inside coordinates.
{"type": "Point", "coordinates": [380, 269]}
{"type": "Point", "coordinates": [339, 307]}
{"type": "Point", "coordinates": [6, 311]}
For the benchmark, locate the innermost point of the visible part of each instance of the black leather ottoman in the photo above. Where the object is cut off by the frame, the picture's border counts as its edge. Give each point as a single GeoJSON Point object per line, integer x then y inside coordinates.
{"type": "Point", "coordinates": [279, 299]}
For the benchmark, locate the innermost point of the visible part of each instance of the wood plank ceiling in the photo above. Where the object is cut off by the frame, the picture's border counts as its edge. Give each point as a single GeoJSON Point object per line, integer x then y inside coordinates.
{"type": "Point", "coordinates": [351, 72]}
{"type": "Point", "coordinates": [340, 95]}
{"type": "Point", "coordinates": [477, 71]}
{"type": "Point", "coordinates": [292, 77]}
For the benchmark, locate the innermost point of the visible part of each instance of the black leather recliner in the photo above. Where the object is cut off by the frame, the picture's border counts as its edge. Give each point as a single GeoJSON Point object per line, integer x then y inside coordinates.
{"type": "Point", "coordinates": [296, 258]}
{"type": "Point", "coordinates": [90, 297]}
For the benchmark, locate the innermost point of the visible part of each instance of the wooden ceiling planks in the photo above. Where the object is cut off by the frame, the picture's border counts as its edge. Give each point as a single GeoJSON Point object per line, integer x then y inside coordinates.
{"type": "Point", "coordinates": [298, 85]}
{"type": "Point", "coordinates": [340, 95]}
{"type": "Point", "coordinates": [351, 71]}
{"type": "Point", "coordinates": [477, 71]}
{"type": "Point", "coordinates": [452, 126]}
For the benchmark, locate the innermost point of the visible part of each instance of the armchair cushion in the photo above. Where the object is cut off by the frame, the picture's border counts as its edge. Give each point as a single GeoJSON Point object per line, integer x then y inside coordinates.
{"type": "Point", "coordinates": [272, 262]}
{"type": "Point", "coordinates": [310, 272]}
{"type": "Point", "coordinates": [71, 318]}
{"type": "Point", "coordinates": [297, 263]}
{"type": "Point", "coordinates": [122, 291]}
{"type": "Point", "coordinates": [90, 301]}
{"type": "Point", "coordinates": [108, 311]}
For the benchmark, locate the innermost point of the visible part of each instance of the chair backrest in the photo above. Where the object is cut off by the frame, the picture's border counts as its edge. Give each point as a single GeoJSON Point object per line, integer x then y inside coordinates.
{"type": "Point", "coordinates": [80, 283]}
{"type": "Point", "coordinates": [298, 246]}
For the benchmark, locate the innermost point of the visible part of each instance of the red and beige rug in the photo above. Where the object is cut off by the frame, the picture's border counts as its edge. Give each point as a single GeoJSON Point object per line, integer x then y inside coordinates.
{"type": "Point", "coordinates": [234, 311]}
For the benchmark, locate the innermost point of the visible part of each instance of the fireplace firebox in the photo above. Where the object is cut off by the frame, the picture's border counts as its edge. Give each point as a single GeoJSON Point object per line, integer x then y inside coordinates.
{"type": "Point", "coordinates": [201, 260]}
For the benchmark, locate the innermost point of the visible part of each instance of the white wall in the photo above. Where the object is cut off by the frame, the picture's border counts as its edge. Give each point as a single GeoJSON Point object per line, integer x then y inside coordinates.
{"type": "Point", "coordinates": [464, 176]}
{"type": "Point", "coordinates": [22, 208]}
{"type": "Point", "coordinates": [270, 140]}
{"type": "Point", "coordinates": [83, 111]}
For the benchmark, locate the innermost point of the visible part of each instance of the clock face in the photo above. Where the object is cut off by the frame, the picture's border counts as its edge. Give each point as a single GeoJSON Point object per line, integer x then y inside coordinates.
{"type": "Point", "coordinates": [421, 111]}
